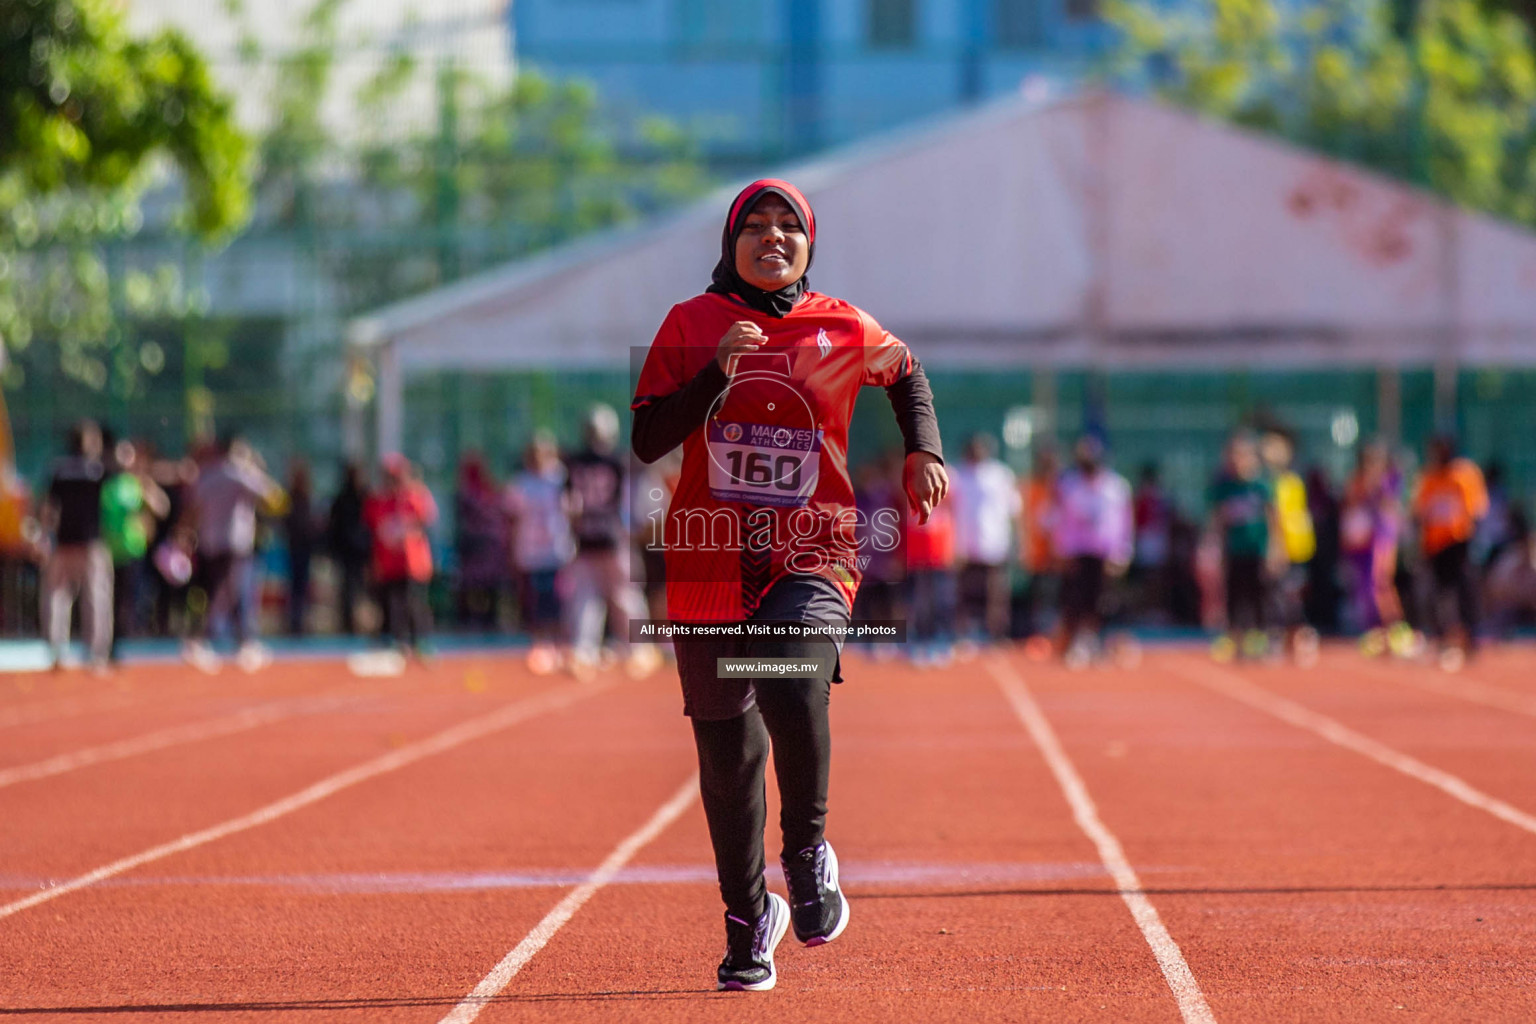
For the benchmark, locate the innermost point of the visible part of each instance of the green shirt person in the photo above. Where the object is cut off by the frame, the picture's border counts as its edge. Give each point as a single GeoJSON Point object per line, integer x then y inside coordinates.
{"type": "Point", "coordinates": [1241, 508]}
{"type": "Point", "coordinates": [1243, 515]}
{"type": "Point", "coordinates": [122, 518]}
{"type": "Point", "coordinates": [127, 501]}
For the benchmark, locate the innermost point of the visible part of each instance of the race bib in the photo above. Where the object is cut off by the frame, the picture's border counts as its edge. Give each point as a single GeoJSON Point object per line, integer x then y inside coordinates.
{"type": "Point", "coordinates": [1358, 527]}
{"type": "Point", "coordinates": [1444, 510]}
{"type": "Point", "coordinates": [763, 465]}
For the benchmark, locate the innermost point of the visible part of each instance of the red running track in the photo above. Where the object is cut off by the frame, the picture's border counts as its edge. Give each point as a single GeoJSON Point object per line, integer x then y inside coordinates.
{"type": "Point", "coordinates": [1327, 846]}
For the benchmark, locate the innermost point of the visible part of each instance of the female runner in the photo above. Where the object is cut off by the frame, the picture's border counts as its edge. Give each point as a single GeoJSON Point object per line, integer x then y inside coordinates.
{"type": "Point", "coordinates": [757, 379]}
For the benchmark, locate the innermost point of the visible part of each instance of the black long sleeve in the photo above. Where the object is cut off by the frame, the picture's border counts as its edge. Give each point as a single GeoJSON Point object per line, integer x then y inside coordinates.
{"type": "Point", "coordinates": [662, 424]}
{"type": "Point", "coordinates": [912, 400]}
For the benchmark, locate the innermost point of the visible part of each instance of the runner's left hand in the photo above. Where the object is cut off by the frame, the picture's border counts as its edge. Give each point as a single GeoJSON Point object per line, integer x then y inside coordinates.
{"type": "Point", "coordinates": [926, 483]}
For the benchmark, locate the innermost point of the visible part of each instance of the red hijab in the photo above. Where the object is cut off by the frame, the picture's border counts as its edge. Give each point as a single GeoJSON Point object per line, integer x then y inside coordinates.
{"type": "Point", "coordinates": [726, 281]}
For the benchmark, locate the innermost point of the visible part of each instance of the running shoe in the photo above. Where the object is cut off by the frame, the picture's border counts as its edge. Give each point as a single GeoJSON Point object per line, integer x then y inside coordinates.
{"type": "Point", "coordinates": [1305, 646]}
{"type": "Point", "coordinates": [253, 656]}
{"type": "Point", "coordinates": [748, 964]}
{"type": "Point", "coordinates": [1223, 649]}
{"type": "Point", "coordinates": [1125, 650]}
{"type": "Point", "coordinates": [543, 659]}
{"type": "Point", "coordinates": [817, 905]}
{"type": "Point", "coordinates": [201, 657]}
{"type": "Point", "coordinates": [1405, 642]}
{"type": "Point", "coordinates": [1256, 645]}
{"type": "Point", "coordinates": [1374, 643]}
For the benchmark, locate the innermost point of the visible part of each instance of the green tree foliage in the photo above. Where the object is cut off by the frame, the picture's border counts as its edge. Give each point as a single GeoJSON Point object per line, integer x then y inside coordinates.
{"type": "Point", "coordinates": [493, 172]}
{"type": "Point", "coordinates": [293, 150]}
{"type": "Point", "coordinates": [88, 115]}
{"type": "Point", "coordinates": [1524, 9]}
{"type": "Point", "coordinates": [1442, 94]}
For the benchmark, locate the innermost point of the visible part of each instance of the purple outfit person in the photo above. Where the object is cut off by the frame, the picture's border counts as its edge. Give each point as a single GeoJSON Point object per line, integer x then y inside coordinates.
{"type": "Point", "coordinates": [1094, 535]}
{"type": "Point", "coordinates": [1093, 516]}
{"type": "Point", "coordinates": [1369, 530]}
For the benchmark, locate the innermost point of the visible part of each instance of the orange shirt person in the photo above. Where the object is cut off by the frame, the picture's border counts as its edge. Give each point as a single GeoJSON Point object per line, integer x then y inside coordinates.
{"type": "Point", "coordinates": [398, 518]}
{"type": "Point", "coordinates": [1450, 499]}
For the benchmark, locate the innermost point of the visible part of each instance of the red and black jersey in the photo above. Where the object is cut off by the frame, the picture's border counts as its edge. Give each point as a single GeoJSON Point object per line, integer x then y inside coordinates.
{"type": "Point", "coordinates": [764, 490]}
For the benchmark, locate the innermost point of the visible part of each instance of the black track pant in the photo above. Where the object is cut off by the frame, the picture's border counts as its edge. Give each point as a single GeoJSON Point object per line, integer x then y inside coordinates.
{"type": "Point", "coordinates": [407, 618]}
{"type": "Point", "coordinates": [1455, 586]}
{"type": "Point", "coordinates": [1246, 592]}
{"type": "Point", "coordinates": [733, 753]}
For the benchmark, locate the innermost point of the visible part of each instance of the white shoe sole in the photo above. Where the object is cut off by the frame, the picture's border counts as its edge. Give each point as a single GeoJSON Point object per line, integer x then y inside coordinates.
{"type": "Point", "coordinates": [842, 918]}
{"type": "Point", "coordinates": [773, 944]}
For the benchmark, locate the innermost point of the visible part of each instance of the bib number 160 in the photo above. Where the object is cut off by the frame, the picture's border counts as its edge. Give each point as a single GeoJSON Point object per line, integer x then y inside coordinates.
{"type": "Point", "coordinates": [759, 470]}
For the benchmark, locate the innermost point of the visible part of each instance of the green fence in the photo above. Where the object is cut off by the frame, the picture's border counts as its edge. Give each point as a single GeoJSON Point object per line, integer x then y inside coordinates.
{"type": "Point", "coordinates": [1176, 419]}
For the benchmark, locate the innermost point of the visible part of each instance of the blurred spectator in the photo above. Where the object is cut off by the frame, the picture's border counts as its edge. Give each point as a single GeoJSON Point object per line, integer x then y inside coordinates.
{"type": "Point", "coordinates": [598, 577]}
{"type": "Point", "coordinates": [930, 554]}
{"type": "Point", "coordinates": [535, 505]}
{"type": "Point", "coordinates": [301, 531]}
{"type": "Point", "coordinates": [273, 507]}
{"type": "Point", "coordinates": [1495, 529]}
{"type": "Point", "coordinates": [349, 543]}
{"type": "Point", "coordinates": [1450, 500]}
{"type": "Point", "coordinates": [173, 546]}
{"type": "Point", "coordinates": [1037, 553]}
{"type": "Point", "coordinates": [18, 550]}
{"type": "Point", "coordinates": [653, 488]}
{"type": "Point", "coordinates": [1511, 579]}
{"type": "Point", "coordinates": [1369, 528]}
{"type": "Point", "coordinates": [398, 518]}
{"type": "Point", "coordinates": [1297, 543]}
{"type": "Point", "coordinates": [1183, 601]}
{"type": "Point", "coordinates": [226, 496]}
{"type": "Point", "coordinates": [130, 503]}
{"type": "Point", "coordinates": [1093, 539]}
{"type": "Point", "coordinates": [987, 507]}
{"type": "Point", "coordinates": [1152, 515]}
{"type": "Point", "coordinates": [480, 544]}
{"type": "Point", "coordinates": [1243, 518]}
{"type": "Point", "coordinates": [1322, 598]}
{"type": "Point", "coordinates": [79, 565]}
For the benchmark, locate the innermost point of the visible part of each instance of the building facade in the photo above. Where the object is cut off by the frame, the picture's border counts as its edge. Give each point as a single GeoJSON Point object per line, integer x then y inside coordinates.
{"type": "Point", "coordinates": [757, 81]}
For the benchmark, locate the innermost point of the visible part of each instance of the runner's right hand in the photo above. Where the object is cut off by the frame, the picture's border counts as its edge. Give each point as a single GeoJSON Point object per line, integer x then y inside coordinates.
{"type": "Point", "coordinates": [743, 336]}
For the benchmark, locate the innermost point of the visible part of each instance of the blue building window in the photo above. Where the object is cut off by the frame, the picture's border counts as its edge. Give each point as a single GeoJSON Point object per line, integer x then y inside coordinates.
{"type": "Point", "coordinates": [1016, 24]}
{"type": "Point", "coordinates": [711, 25]}
{"type": "Point", "coordinates": [892, 24]}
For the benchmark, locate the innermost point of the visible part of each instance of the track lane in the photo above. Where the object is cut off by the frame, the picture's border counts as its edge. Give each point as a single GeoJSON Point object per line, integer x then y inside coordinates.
{"type": "Point", "coordinates": [1302, 882]}
{"type": "Point", "coordinates": [387, 902]}
{"type": "Point", "coordinates": [1309, 883]}
{"type": "Point", "coordinates": [974, 896]}
{"type": "Point", "coordinates": [61, 827]}
{"type": "Point", "coordinates": [1460, 687]}
{"type": "Point", "coordinates": [1417, 711]}
{"type": "Point", "coordinates": [78, 700]}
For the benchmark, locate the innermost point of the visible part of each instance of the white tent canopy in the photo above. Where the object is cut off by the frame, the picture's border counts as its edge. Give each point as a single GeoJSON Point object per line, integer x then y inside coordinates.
{"type": "Point", "coordinates": [1094, 230]}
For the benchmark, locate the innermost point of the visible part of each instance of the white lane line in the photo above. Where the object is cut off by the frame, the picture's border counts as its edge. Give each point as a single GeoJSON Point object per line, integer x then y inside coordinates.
{"type": "Point", "coordinates": [502, 974]}
{"type": "Point", "coordinates": [1240, 689]}
{"type": "Point", "coordinates": [1460, 686]}
{"type": "Point", "coordinates": [1181, 980]}
{"type": "Point", "coordinates": [67, 707]}
{"type": "Point", "coordinates": [454, 736]}
{"type": "Point", "coordinates": [192, 732]}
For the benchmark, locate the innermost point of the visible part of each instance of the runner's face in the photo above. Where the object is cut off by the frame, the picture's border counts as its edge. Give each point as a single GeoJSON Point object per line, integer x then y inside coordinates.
{"type": "Point", "coordinates": [772, 251]}
{"type": "Point", "coordinates": [1374, 471]}
{"type": "Point", "coordinates": [1245, 460]}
